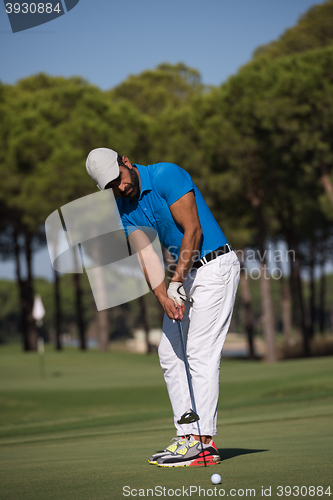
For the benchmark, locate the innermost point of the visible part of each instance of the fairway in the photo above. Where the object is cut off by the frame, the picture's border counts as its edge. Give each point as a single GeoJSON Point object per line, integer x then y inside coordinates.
{"type": "Point", "coordinates": [85, 431]}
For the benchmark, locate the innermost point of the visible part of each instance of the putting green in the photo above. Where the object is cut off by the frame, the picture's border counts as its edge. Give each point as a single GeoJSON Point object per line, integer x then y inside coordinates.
{"type": "Point", "coordinates": [85, 430]}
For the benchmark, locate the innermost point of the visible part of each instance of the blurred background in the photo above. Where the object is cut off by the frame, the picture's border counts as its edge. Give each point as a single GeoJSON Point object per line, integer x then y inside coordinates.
{"type": "Point", "coordinates": [240, 95]}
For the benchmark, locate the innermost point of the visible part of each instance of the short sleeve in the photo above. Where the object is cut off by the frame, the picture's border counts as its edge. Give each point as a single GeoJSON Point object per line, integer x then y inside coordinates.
{"type": "Point", "coordinates": [172, 182]}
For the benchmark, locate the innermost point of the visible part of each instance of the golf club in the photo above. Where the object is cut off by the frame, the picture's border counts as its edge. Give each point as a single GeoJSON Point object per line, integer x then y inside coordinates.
{"type": "Point", "coordinates": [191, 415]}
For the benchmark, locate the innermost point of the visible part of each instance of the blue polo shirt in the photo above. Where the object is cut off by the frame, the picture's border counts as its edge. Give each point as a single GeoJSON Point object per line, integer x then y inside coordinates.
{"type": "Point", "coordinates": [162, 185]}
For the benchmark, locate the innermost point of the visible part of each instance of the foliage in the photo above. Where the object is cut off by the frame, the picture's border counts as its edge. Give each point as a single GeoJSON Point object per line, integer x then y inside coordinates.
{"type": "Point", "coordinates": [259, 147]}
{"type": "Point", "coordinates": [167, 86]}
{"type": "Point", "coordinates": [313, 30]}
{"type": "Point", "coordinates": [54, 124]}
{"type": "Point", "coordinates": [268, 130]}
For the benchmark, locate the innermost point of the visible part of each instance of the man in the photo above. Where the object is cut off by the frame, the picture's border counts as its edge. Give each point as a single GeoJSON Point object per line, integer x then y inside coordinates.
{"type": "Point", "coordinates": [201, 293]}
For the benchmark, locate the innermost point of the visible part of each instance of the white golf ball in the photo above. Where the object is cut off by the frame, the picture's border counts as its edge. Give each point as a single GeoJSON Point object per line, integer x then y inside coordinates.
{"type": "Point", "coordinates": [216, 479]}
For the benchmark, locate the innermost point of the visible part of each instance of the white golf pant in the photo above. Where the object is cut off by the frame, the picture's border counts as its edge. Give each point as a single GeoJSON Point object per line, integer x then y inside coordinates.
{"type": "Point", "coordinates": [211, 291]}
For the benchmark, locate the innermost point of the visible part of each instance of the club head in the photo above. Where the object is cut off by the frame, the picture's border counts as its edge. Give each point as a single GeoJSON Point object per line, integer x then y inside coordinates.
{"type": "Point", "coordinates": [188, 417]}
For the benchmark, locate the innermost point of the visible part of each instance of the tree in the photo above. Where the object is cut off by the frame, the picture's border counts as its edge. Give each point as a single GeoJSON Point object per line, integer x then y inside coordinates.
{"type": "Point", "coordinates": [238, 182]}
{"type": "Point", "coordinates": [313, 30]}
{"type": "Point", "coordinates": [52, 125]}
{"type": "Point", "coordinates": [278, 148]}
{"type": "Point", "coordinates": [152, 91]}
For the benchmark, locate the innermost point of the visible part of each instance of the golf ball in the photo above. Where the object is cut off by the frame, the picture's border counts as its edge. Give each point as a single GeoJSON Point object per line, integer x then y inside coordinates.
{"type": "Point", "coordinates": [216, 478]}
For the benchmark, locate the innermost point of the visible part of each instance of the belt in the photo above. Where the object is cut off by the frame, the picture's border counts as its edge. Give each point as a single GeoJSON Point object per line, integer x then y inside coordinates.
{"type": "Point", "coordinates": [212, 255]}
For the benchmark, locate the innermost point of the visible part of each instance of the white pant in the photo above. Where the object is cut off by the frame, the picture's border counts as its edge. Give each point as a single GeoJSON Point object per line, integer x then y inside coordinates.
{"type": "Point", "coordinates": [211, 291]}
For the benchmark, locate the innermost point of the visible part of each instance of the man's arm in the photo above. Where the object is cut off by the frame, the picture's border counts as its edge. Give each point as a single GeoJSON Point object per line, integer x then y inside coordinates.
{"type": "Point", "coordinates": [154, 272]}
{"type": "Point", "coordinates": [184, 212]}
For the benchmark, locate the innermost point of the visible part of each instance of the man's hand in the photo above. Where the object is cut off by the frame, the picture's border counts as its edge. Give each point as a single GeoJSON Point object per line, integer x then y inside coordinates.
{"type": "Point", "coordinates": [171, 310]}
{"type": "Point", "coordinates": [174, 305]}
{"type": "Point", "coordinates": [176, 292]}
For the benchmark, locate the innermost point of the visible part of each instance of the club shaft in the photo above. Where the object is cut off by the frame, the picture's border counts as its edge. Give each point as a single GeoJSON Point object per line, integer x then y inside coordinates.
{"type": "Point", "coordinates": [187, 369]}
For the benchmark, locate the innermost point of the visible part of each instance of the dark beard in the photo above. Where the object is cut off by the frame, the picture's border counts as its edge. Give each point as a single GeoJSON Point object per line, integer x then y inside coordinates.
{"type": "Point", "coordinates": [135, 187]}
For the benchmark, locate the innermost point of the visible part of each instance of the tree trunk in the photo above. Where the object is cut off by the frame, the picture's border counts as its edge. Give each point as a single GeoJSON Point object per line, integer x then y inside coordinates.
{"type": "Point", "coordinates": [296, 288]}
{"type": "Point", "coordinates": [312, 300]}
{"type": "Point", "coordinates": [79, 305]}
{"type": "Point", "coordinates": [322, 289]}
{"type": "Point", "coordinates": [79, 311]}
{"type": "Point", "coordinates": [24, 328]}
{"type": "Point", "coordinates": [32, 329]}
{"type": "Point", "coordinates": [268, 322]}
{"type": "Point", "coordinates": [102, 318]}
{"type": "Point", "coordinates": [267, 313]}
{"type": "Point", "coordinates": [100, 290]}
{"type": "Point", "coordinates": [287, 225]}
{"type": "Point", "coordinates": [286, 310]}
{"type": "Point", "coordinates": [285, 305]}
{"type": "Point", "coordinates": [294, 298]}
{"type": "Point", "coordinates": [58, 312]}
{"type": "Point", "coordinates": [28, 326]}
{"type": "Point", "coordinates": [248, 314]}
{"type": "Point", "coordinates": [304, 323]}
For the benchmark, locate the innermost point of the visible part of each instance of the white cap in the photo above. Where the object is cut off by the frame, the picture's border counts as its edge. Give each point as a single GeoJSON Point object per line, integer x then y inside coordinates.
{"type": "Point", "coordinates": [102, 166]}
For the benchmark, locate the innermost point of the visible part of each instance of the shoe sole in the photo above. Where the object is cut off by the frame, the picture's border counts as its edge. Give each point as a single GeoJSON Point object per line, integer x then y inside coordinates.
{"type": "Point", "coordinates": [197, 462]}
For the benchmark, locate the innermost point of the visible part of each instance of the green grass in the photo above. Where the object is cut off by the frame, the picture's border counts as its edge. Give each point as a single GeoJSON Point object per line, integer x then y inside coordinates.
{"type": "Point", "coordinates": [85, 430]}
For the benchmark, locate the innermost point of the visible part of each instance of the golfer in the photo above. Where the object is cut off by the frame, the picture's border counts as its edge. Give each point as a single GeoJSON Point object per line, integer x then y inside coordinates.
{"type": "Point", "coordinates": [201, 293]}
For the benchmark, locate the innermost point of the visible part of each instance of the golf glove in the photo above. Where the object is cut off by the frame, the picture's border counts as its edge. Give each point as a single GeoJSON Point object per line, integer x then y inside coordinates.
{"type": "Point", "coordinates": [176, 292]}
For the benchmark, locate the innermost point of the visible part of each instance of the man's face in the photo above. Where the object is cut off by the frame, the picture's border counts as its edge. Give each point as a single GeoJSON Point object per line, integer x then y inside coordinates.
{"type": "Point", "coordinates": [127, 184]}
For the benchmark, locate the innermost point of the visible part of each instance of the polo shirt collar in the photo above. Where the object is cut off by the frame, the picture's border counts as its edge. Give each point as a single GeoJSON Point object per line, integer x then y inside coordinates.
{"type": "Point", "coordinates": [144, 179]}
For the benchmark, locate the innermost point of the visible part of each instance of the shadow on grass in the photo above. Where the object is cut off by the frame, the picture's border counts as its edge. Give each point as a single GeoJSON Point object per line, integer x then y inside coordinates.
{"type": "Point", "coordinates": [226, 453]}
